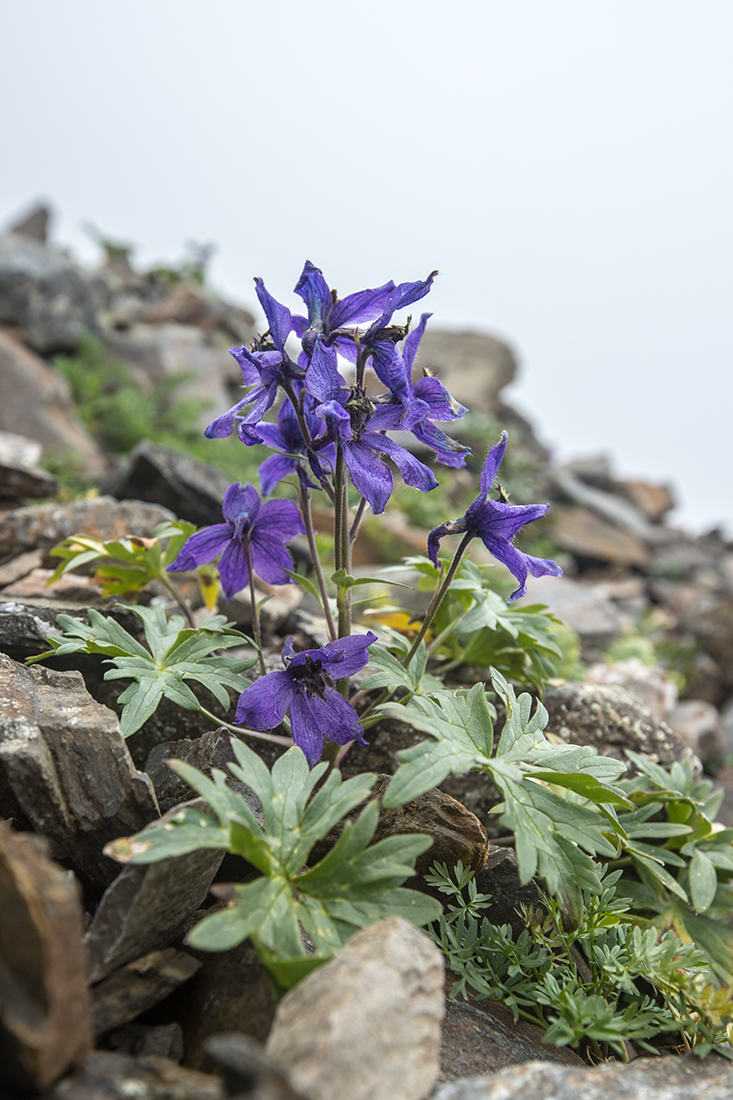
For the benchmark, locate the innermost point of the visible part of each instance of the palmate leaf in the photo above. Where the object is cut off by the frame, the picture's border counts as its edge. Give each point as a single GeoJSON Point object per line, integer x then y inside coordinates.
{"type": "Point", "coordinates": [354, 885]}
{"type": "Point", "coordinates": [393, 675]}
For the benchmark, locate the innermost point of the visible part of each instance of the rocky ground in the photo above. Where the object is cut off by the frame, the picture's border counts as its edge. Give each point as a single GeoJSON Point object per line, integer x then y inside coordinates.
{"type": "Point", "coordinates": [99, 995]}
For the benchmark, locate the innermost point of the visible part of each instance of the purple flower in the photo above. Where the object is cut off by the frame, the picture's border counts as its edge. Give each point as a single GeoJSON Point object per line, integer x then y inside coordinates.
{"type": "Point", "coordinates": [286, 436]}
{"type": "Point", "coordinates": [327, 315]}
{"type": "Point", "coordinates": [251, 526]}
{"type": "Point", "coordinates": [265, 368]}
{"type": "Point", "coordinates": [497, 524]}
{"type": "Point", "coordinates": [306, 690]}
{"type": "Point", "coordinates": [358, 424]}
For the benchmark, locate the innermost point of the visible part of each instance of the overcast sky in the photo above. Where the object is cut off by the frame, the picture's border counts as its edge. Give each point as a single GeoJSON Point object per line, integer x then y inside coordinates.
{"type": "Point", "coordinates": [566, 164]}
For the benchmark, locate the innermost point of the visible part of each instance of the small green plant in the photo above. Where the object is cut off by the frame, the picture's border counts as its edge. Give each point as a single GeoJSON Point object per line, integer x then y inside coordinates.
{"type": "Point", "coordinates": [598, 986]}
{"type": "Point", "coordinates": [354, 885]}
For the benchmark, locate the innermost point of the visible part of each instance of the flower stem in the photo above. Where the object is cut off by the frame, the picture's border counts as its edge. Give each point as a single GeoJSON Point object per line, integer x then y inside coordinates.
{"type": "Point", "coordinates": [255, 610]}
{"type": "Point", "coordinates": [305, 507]}
{"type": "Point", "coordinates": [171, 588]}
{"type": "Point", "coordinates": [342, 546]}
{"type": "Point", "coordinates": [291, 394]}
{"type": "Point", "coordinates": [354, 531]}
{"type": "Point", "coordinates": [438, 597]}
{"type": "Point", "coordinates": [241, 731]}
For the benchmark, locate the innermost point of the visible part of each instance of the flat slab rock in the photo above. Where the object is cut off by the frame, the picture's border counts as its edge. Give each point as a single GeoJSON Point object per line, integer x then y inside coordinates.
{"type": "Point", "coordinates": [110, 1076]}
{"type": "Point", "coordinates": [64, 762]}
{"type": "Point", "coordinates": [366, 1024]}
{"type": "Point", "coordinates": [670, 1078]}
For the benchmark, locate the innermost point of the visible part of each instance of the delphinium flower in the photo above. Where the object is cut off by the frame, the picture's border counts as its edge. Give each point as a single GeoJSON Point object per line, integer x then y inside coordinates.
{"type": "Point", "coordinates": [286, 437]}
{"type": "Point", "coordinates": [252, 532]}
{"type": "Point", "coordinates": [330, 318]}
{"type": "Point", "coordinates": [357, 424]}
{"type": "Point", "coordinates": [305, 690]}
{"type": "Point", "coordinates": [497, 523]}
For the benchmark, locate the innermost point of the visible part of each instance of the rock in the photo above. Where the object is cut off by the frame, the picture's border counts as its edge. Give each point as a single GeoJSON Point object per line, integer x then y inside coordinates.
{"type": "Point", "coordinates": [138, 986]}
{"type": "Point", "coordinates": [50, 298]}
{"type": "Point", "coordinates": [675, 1077]}
{"type": "Point", "coordinates": [147, 907]}
{"type": "Point", "coordinates": [587, 535]}
{"type": "Point", "coordinates": [499, 877]}
{"type": "Point", "coordinates": [610, 720]}
{"type": "Point", "coordinates": [159, 1040]}
{"type": "Point", "coordinates": [366, 1024]}
{"type": "Point", "coordinates": [647, 684]}
{"type": "Point", "coordinates": [106, 1075]}
{"type": "Point", "coordinates": [619, 512]}
{"type": "Point", "coordinates": [247, 1071]}
{"type": "Point", "coordinates": [211, 750]}
{"type": "Point", "coordinates": [44, 1002]}
{"type": "Point", "coordinates": [19, 450]}
{"type": "Point", "coordinates": [192, 490]}
{"type": "Point", "coordinates": [20, 475]}
{"type": "Point", "coordinates": [154, 353]}
{"type": "Point", "coordinates": [19, 567]}
{"type": "Point", "coordinates": [72, 587]}
{"type": "Point", "coordinates": [34, 224]}
{"type": "Point", "coordinates": [474, 366]}
{"type": "Point", "coordinates": [25, 624]}
{"type": "Point", "coordinates": [653, 501]}
{"type": "Point", "coordinates": [482, 1037]}
{"type": "Point", "coordinates": [43, 526]}
{"type": "Point", "coordinates": [698, 724]}
{"type": "Point", "coordinates": [585, 607]}
{"type": "Point", "coordinates": [64, 759]}
{"type": "Point", "coordinates": [714, 630]}
{"type": "Point", "coordinates": [231, 992]}
{"type": "Point", "coordinates": [726, 719]}
{"type": "Point", "coordinates": [35, 401]}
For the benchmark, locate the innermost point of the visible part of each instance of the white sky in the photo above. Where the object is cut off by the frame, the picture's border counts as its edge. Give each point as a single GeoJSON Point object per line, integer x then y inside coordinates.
{"type": "Point", "coordinates": [566, 164]}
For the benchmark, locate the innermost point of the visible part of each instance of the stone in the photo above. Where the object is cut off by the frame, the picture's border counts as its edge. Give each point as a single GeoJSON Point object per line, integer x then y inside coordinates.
{"type": "Point", "coordinates": [587, 535]}
{"type": "Point", "coordinates": [35, 401]}
{"type": "Point", "coordinates": [26, 623]}
{"type": "Point", "coordinates": [610, 720]}
{"type": "Point", "coordinates": [675, 1077]}
{"type": "Point", "coordinates": [653, 501]}
{"type": "Point", "coordinates": [33, 224]}
{"type": "Point", "coordinates": [247, 1071]}
{"type": "Point", "coordinates": [72, 587]}
{"type": "Point", "coordinates": [19, 567]}
{"type": "Point", "coordinates": [482, 1037]}
{"type": "Point", "coordinates": [107, 1075]}
{"type": "Point", "coordinates": [43, 526]}
{"type": "Point", "coordinates": [617, 511]}
{"type": "Point", "coordinates": [64, 759]}
{"type": "Point", "coordinates": [50, 298]}
{"type": "Point", "coordinates": [585, 607]}
{"type": "Point", "coordinates": [698, 724]}
{"type": "Point", "coordinates": [212, 750]}
{"type": "Point", "coordinates": [231, 992]}
{"type": "Point", "coordinates": [20, 474]}
{"type": "Point", "coordinates": [367, 1023]}
{"type": "Point", "coordinates": [714, 630]}
{"type": "Point", "coordinates": [148, 906]}
{"type": "Point", "coordinates": [44, 1001]}
{"type": "Point", "coordinates": [474, 366]}
{"type": "Point", "coordinates": [499, 877]}
{"type": "Point", "coordinates": [138, 986]}
{"type": "Point", "coordinates": [159, 1040]}
{"type": "Point", "coordinates": [192, 490]}
{"type": "Point", "coordinates": [647, 684]}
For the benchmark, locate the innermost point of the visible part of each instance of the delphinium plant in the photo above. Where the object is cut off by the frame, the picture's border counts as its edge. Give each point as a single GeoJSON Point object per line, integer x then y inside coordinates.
{"type": "Point", "coordinates": [323, 390]}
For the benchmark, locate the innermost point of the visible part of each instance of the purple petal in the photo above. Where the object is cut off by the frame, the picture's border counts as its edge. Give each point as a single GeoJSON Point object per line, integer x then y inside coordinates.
{"type": "Point", "coordinates": [410, 346]}
{"type": "Point", "coordinates": [405, 294]}
{"type": "Point", "coordinates": [448, 451]}
{"type": "Point", "coordinates": [273, 470]}
{"type": "Point", "coordinates": [279, 519]}
{"type": "Point", "coordinates": [241, 502]}
{"type": "Point", "coordinates": [315, 292]}
{"type": "Point", "coordinates": [389, 366]}
{"type": "Point", "coordinates": [454, 527]}
{"type": "Point", "coordinates": [233, 569]}
{"type": "Point", "coordinates": [264, 705]}
{"type": "Point", "coordinates": [336, 414]}
{"type": "Point", "coordinates": [270, 559]}
{"type": "Point", "coordinates": [542, 567]}
{"type": "Point", "coordinates": [224, 424]}
{"type": "Point", "coordinates": [492, 464]}
{"type": "Point", "coordinates": [360, 308]}
{"type": "Point", "coordinates": [369, 474]}
{"type": "Point", "coordinates": [248, 363]}
{"type": "Point", "coordinates": [278, 317]}
{"type": "Point", "coordinates": [312, 717]}
{"type": "Point", "coordinates": [307, 729]}
{"type": "Point", "coordinates": [322, 379]}
{"type": "Point", "coordinates": [345, 656]}
{"type": "Point", "coordinates": [272, 436]}
{"type": "Point", "coordinates": [496, 520]}
{"type": "Point", "coordinates": [202, 547]}
{"type": "Point", "coordinates": [413, 471]}
{"type": "Point", "coordinates": [514, 560]}
{"type": "Point", "coordinates": [442, 405]}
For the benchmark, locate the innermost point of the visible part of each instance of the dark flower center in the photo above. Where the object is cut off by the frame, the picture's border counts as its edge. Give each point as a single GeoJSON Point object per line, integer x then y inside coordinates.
{"type": "Point", "coordinates": [311, 678]}
{"type": "Point", "coordinates": [360, 410]}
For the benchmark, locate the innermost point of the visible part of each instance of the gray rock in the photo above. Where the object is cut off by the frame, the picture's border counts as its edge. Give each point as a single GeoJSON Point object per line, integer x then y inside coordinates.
{"type": "Point", "coordinates": [212, 750]}
{"type": "Point", "coordinates": [33, 224]}
{"type": "Point", "coordinates": [648, 684]}
{"type": "Point", "coordinates": [474, 366]}
{"type": "Point", "coordinates": [50, 298]}
{"type": "Point", "coordinates": [247, 1071]}
{"type": "Point", "coordinates": [35, 401]}
{"type": "Point", "coordinates": [107, 1075]}
{"type": "Point", "coordinates": [192, 490]}
{"type": "Point", "coordinates": [714, 630]}
{"type": "Point", "coordinates": [366, 1024]}
{"type": "Point", "coordinates": [588, 535]}
{"type": "Point", "coordinates": [500, 878]}
{"type": "Point", "coordinates": [610, 720]}
{"type": "Point", "coordinates": [621, 513]}
{"type": "Point", "coordinates": [147, 907]}
{"type": "Point", "coordinates": [43, 526]}
{"type": "Point", "coordinates": [64, 759]}
{"type": "Point", "coordinates": [138, 986]}
{"type": "Point", "coordinates": [585, 607]}
{"type": "Point", "coordinates": [671, 1078]}
{"type": "Point", "coordinates": [44, 1001]}
{"type": "Point", "coordinates": [482, 1037]}
{"type": "Point", "coordinates": [698, 724]}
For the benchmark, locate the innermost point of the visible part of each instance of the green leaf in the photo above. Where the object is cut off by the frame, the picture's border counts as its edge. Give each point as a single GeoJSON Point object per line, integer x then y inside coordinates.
{"type": "Point", "coordinates": [703, 881]}
{"type": "Point", "coordinates": [342, 579]}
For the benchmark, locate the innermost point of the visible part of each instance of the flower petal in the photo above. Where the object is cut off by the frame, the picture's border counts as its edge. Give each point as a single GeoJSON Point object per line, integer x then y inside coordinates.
{"type": "Point", "coordinates": [279, 519]}
{"type": "Point", "coordinates": [278, 316]}
{"type": "Point", "coordinates": [410, 346]}
{"type": "Point", "coordinates": [345, 656]}
{"type": "Point", "coordinates": [448, 451]}
{"type": "Point", "coordinates": [233, 569]}
{"type": "Point", "coordinates": [202, 547]}
{"type": "Point", "coordinates": [492, 464]}
{"type": "Point", "coordinates": [241, 502]}
{"type": "Point", "coordinates": [312, 718]}
{"type": "Point", "coordinates": [496, 520]}
{"type": "Point", "coordinates": [307, 728]}
{"type": "Point", "coordinates": [265, 703]}
{"type": "Point", "coordinates": [453, 527]}
{"type": "Point", "coordinates": [413, 471]}
{"type": "Point", "coordinates": [315, 292]}
{"type": "Point", "coordinates": [369, 474]}
{"type": "Point", "coordinates": [273, 470]}
{"type": "Point", "coordinates": [270, 558]}
{"type": "Point", "coordinates": [514, 560]}
{"type": "Point", "coordinates": [322, 379]}
{"type": "Point", "coordinates": [361, 307]}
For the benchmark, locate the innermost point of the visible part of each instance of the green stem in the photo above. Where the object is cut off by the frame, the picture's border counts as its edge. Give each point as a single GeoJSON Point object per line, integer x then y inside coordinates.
{"type": "Point", "coordinates": [342, 546]}
{"type": "Point", "coordinates": [276, 738]}
{"type": "Point", "coordinates": [291, 394]}
{"type": "Point", "coordinates": [438, 597]}
{"type": "Point", "coordinates": [305, 506]}
{"type": "Point", "coordinates": [255, 610]}
{"type": "Point", "coordinates": [171, 588]}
